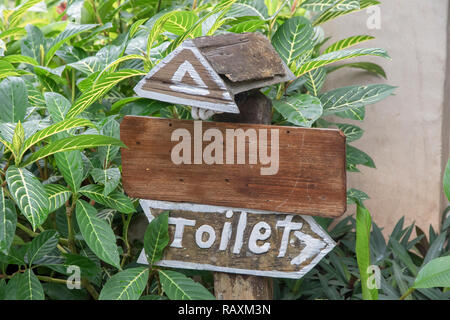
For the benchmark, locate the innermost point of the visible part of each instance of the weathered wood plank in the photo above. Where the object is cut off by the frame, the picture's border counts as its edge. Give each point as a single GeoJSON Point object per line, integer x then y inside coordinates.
{"type": "Point", "coordinates": [310, 178]}
{"type": "Point", "coordinates": [236, 241]}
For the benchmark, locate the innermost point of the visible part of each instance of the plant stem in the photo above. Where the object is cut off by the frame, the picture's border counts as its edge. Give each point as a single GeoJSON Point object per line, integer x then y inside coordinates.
{"type": "Point", "coordinates": [194, 4]}
{"type": "Point", "coordinates": [50, 279]}
{"type": "Point", "coordinates": [33, 234]}
{"type": "Point", "coordinates": [30, 232]}
{"type": "Point", "coordinates": [69, 211]}
{"type": "Point", "coordinates": [94, 294]}
{"type": "Point", "coordinates": [159, 6]}
{"type": "Point", "coordinates": [407, 293]}
{"type": "Point", "coordinates": [126, 224]}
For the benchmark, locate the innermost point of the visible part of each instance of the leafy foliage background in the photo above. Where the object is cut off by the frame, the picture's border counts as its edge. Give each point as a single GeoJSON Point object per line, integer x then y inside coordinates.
{"type": "Point", "coordinates": [67, 72]}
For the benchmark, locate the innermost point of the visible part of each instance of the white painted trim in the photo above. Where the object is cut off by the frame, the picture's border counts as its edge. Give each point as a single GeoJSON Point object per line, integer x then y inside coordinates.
{"type": "Point", "coordinates": [165, 205]}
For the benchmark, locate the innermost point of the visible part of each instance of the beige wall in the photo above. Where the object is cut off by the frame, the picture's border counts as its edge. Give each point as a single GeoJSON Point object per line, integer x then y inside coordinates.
{"type": "Point", "coordinates": [404, 134]}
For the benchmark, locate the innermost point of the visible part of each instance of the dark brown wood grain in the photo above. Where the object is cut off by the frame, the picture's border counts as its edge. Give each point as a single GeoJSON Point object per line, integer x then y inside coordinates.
{"type": "Point", "coordinates": [241, 57]}
{"type": "Point", "coordinates": [271, 261]}
{"type": "Point", "coordinates": [310, 180]}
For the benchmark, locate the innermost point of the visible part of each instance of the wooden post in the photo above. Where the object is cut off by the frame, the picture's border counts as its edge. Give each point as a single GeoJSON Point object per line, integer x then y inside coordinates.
{"type": "Point", "coordinates": [254, 107]}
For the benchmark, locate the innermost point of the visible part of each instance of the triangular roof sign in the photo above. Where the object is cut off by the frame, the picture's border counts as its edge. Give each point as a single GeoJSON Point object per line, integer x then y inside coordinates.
{"type": "Point", "coordinates": [207, 72]}
{"type": "Point", "coordinates": [186, 77]}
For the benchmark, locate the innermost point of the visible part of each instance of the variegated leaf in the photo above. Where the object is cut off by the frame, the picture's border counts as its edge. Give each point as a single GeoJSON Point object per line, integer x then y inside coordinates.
{"type": "Point", "coordinates": [351, 132]}
{"type": "Point", "coordinates": [8, 221]}
{"type": "Point", "coordinates": [57, 196]}
{"type": "Point", "coordinates": [109, 178]}
{"type": "Point", "coordinates": [72, 143]}
{"type": "Point", "coordinates": [336, 56]}
{"type": "Point", "coordinates": [57, 106]}
{"type": "Point", "coordinates": [347, 43]}
{"type": "Point", "coordinates": [300, 109]}
{"type": "Point", "coordinates": [104, 84]}
{"type": "Point", "coordinates": [29, 287]}
{"type": "Point", "coordinates": [69, 32]}
{"type": "Point", "coordinates": [331, 14]}
{"type": "Point", "coordinates": [115, 200]}
{"type": "Point", "coordinates": [29, 195]}
{"type": "Point", "coordinates": [54, 129]}
{"type": "Point", "coordinates": [333, 5]}
{"type": "Point", "coordinates": [125, 285]}
{"type": "Point", "coordinates": [352, 97]}
{"type": "Point", "coordinates": [97, 233]}
{"type": "Point", "coordinates": [293, 39]}
{"type": "Point", "coordinates": [315, 80]}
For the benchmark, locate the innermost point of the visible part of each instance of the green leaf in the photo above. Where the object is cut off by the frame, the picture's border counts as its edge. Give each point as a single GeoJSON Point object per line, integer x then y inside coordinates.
{"type": "Point", "coordinates": [57, 196]}
{"type": "Point", "coordinates": [446, 181]}
{"type": "Point", "coordinates": [72, 143]}
{"type": "Point", "coordinates": [29, 195]}
{"type": "Point", "coordinates": [180, 22]}
{"type": "Point", "coordinates": [106, 154]}
{"type": "Point", "coordinates": [336, 56]}
{"type": "Point", "coordinates": [363, 226]}
{"type": "Point", "coordinates": [356, 196]}
{"type": "Point", "coordinates": [354, 114]}
{"type": "Point", "coordinates": [293, 39]}
{"type": "Point", "coordinates": [247, 26]}
{"type": "Point", "coordinates": [125, 285]}
{"type": "Point", "coordinates": [70, 165]}
{"type": "Point", "coordinates": [403, 255]}
{"type": "Point", "coordinates": [18, 58]}
{"type": "Point", "coordinates": [156, 238]}
{"type": "Point", "coordinates": [356, 156]}
{"type": "Point", "coordinates": [68, 33]}
{"type": "Point", "coordinates": [33, 45]}
{"type": "Point", "coordinates": [179, 287]}
{"type": "Point", "coordinates": [29, 287]}
{"type": "Point", "coordinates": [7, 69]}
{"type": "Point", "coordinates": [367, 66]}
{"type": "Point", "coordinates": [19, 11]}
{"type": "Point", "coordinates": [435, 273]}
{"type": "Point", "coordinates": [332, 14]}
{"type": "Point", "coordinates": [334, 5]}
{"type": "Point", "coordinates": [103, 85]}
{"type": "Point", "coordinates": [17, 140]}
{"type": "Point", "coordinates": [109, 178]}
{"type": "Point", "coordinates": [352, 132]}
{"type": "Point", "coordinates": [57, 106]}
{"type": "Point", "coordinates": [353, 97]}
{"type": "Point", "coordinates": [300, 109]}
{"type": "Point", "coordinates": [42, 245]}
{"type": "Point", "coordinates": [115, 200]}
{"type": "Point", "coordinates": [248, 8]}
{"type": "Point", "coordinates": [13, 95]}
{"type": "Point", "coordinates": [88, 267]}
{"type": "Point", "coordinates": [315, 80]}
{"type": "Point", "coordinates": [8, 221]}
{"type": "Point", "coordinates": [54, 129]}
{"type": "Point", "coordinates": [348, 42]}
{"type": "Point", "coordinates": [97, 233]}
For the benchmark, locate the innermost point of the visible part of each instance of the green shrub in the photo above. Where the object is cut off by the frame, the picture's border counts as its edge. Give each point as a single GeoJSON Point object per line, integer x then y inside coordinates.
{"type": "Point", "coordinates": [67, 73]}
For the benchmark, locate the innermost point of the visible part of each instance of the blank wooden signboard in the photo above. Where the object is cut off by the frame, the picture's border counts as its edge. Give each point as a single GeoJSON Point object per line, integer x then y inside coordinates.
{"type": "Point", "coordinates": [310, 179]}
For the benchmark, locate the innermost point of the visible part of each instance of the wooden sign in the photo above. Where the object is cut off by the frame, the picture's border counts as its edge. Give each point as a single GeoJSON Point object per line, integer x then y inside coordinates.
{"type": "Point", "coordinates": [261, 167]}
{"type": "Point", "coordinates": [239, 241]}
{"type": "Point", "coordinates": [207, 72]}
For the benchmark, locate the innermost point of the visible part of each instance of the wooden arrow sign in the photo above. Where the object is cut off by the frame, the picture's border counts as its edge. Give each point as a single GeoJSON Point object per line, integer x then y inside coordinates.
{"type": "Point", "coordinates": [239, 241]}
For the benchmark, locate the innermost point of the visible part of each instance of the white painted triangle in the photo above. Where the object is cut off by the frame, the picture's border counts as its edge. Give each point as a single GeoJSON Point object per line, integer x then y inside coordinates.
{"type": "Point", "coordinates": [186, 67]}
